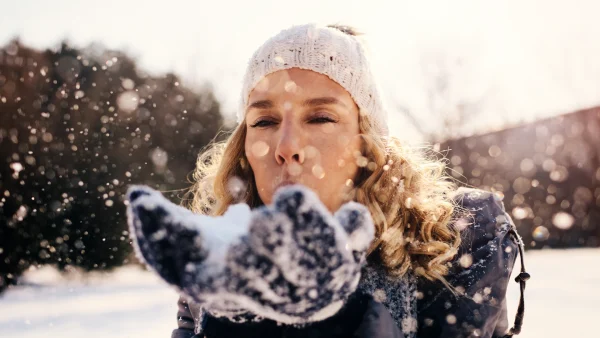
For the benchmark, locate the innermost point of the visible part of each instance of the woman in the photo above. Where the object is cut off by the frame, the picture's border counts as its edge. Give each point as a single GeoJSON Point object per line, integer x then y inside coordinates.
{"type": "Point", "coordinates": [437, 259]}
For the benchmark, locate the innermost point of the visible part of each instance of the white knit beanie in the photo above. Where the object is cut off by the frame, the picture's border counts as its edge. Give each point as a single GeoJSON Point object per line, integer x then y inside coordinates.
{"type": "Point", "coordinates": [325, 50]}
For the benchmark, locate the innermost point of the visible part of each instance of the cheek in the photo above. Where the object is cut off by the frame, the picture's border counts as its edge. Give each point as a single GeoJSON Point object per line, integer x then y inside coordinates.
{"type": "Point", "coordinates": [258, 155]}
{"type": "Point", "coordinates": [340, 158]}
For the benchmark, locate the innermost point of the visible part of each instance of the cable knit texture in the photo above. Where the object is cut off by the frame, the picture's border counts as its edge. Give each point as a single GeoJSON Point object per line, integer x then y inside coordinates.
{"type": "Point", "coordinates": [328, 51]}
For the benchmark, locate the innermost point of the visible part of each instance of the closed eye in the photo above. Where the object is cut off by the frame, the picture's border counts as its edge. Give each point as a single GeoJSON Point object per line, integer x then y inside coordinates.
{"type": "Point", "coordinates": [321, 119]}
{"type": "Point", "coordinates": [262, 124]}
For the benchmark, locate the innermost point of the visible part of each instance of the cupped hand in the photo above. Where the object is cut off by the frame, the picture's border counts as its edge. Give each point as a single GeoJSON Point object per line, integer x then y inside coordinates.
{"type": "Point", "coordinates": [292, 261]}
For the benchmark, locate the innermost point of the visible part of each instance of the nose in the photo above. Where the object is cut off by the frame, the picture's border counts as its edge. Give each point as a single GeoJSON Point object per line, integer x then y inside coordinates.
{"type": "Point", "coordinates": [290, 147]}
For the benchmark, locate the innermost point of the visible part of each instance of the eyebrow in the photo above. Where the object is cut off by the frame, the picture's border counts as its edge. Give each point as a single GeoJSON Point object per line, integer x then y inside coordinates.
{"type": "Point", "coordinates": [321, 101]}
{"type": "Point", "coordinates": [261, 104]}
{"type": "Point", "coordinates": [318, 101]}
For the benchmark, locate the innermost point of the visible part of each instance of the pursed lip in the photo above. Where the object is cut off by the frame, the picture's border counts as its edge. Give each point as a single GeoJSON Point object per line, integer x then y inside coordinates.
{"type": "Point", "coordinates": [284, 183]}
{"type": "Point", "coordinates": [286, 180]}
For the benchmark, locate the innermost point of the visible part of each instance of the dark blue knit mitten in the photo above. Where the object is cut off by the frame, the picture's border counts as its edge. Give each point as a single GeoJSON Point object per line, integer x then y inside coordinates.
{"type": "Point", "coordinates": [293, 261]}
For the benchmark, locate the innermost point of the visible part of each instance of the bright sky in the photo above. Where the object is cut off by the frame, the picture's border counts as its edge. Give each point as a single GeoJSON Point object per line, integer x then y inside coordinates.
{"type": "Point", "coordinates": [514, 60]}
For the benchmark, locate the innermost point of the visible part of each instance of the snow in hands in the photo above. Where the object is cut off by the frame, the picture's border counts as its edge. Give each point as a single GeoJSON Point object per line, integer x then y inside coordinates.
{"type": "Point", "coordinates": [293, 261]}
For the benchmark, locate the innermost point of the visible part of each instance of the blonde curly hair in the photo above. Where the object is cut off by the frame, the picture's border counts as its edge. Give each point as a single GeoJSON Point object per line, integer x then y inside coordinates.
{"type": "Point", "coordinates": [404, 188]}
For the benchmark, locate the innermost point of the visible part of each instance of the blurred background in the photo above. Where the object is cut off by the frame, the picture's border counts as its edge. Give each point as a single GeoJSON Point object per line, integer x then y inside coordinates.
{"type": "Point", "coordinates": [98, 95]}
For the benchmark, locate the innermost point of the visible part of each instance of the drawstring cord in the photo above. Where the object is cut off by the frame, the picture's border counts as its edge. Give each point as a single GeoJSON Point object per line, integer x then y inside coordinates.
{"type": "Point", "coordinates": [521, 279]}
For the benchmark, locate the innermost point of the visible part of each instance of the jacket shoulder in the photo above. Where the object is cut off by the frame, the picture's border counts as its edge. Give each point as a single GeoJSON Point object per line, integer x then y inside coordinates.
{"type": "Point", "coordinates": [480, 213]}
{"type": "Point", "coordinates": [477, 199]}
{"type": "Point", "coordinates": [479, 272]}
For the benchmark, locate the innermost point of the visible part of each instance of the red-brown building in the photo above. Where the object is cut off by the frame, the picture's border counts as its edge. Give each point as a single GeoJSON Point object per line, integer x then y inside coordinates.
{"type": "Point", "coordinates": [548, 173]}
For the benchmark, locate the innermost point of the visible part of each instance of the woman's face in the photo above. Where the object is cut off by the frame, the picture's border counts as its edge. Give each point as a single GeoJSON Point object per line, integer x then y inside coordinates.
{"type": "Point", "coordinates": [302, 127]}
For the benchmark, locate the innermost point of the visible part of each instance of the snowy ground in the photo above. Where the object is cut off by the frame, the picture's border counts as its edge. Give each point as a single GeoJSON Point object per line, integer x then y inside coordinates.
{"type": "Point", "coordinates": [563, 300]}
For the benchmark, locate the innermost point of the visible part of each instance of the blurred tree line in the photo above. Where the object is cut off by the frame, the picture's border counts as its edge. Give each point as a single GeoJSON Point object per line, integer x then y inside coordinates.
{"type": "Point", "coordinates": [548, 173]}
{"type": "Point", "coordinates": [76, 127]}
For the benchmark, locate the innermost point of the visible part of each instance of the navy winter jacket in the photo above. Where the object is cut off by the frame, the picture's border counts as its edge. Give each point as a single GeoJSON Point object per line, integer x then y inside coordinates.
{"type": "Point", "coordinates": [477, 306]}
